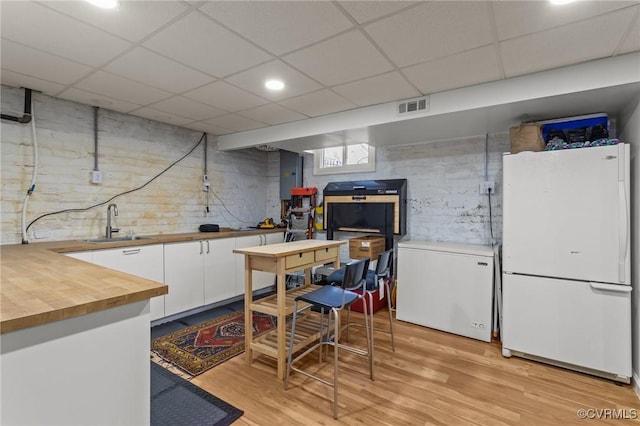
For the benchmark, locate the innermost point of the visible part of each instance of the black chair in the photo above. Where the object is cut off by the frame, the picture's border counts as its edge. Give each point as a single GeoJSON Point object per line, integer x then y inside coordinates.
{"type": "Point", "coordinates": [332, 300]}
{"type": "Point", "coordinates": [381, 277]}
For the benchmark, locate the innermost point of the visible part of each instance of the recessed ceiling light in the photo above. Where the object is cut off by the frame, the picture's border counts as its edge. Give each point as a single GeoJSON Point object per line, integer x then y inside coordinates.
{"type": "Point", "coordinates": [105, 4]}
{"type": "Point", "coordinates": [274, 84]}
{"type": "Point", "coordinates": [558, 2]}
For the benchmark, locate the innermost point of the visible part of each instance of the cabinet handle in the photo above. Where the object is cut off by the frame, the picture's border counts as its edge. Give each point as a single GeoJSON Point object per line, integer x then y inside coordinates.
{"type": "Point", "coordinates": [201, 250]}
{"type": "Point", "coordinates": [263, 241]}
{"type": "Point", "coordinates": [130, 251]}
{"type": "Point", "coordinates": [483, 264]}
{"type": "Point", "coordinates": [207, 246]}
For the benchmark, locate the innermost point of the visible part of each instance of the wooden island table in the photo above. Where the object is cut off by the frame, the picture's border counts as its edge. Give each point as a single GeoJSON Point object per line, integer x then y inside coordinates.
{"type": "Point", "coordinates": [281, 259]}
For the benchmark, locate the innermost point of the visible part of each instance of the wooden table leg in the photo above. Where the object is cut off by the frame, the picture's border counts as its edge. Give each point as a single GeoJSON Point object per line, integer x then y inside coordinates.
{"type": "Point", "coordinates": [248, 314]}
{"type": "Point", "coordinates": [282, 318]}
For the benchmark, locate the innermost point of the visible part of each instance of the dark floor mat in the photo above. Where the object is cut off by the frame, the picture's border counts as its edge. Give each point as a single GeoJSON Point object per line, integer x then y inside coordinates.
{"type": "Point", "coordinates": [176, 401]}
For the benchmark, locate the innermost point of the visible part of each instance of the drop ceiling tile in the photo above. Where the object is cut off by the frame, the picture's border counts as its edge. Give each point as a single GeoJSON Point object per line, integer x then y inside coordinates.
{"type": "Point", "coordinates": [375, 90]}
{"type": "Point", "coordinates": [133, 20]}
{"type": "Point", "coordinates": [94, 99]}
{"type": "Point", "coordinates": [454, 71]}
{"type": "Point", "coordinates": [163, 117]}
{"type": "Point", "coordinates": [210, 128]}
{"type": "Point", "coordinates": [148, 67]}
{"type": "Point", "coordinates": [280, 26]}
{"type": "Point", "coordinates": [516, 18]}
{"type": "Point", "coordinates": [10, 78]}
{"type": "Point", "coordinates": [565, 45]}
{"type": "Point", "coordinates": [200, 43]}
{"type": "Point", "coordinates": [344, 58]}
{"type": "Point", "coordinates": [272, 114]}
{"type": "Point", "coordinates": [432, 30]}
{"type": "Point", "coordinates": [41, 65]}
{"type": "Point", "coordinates": [225, 96]}
{"type": "Point", "coordinates": [318, 103]}
{"type": "Point", "coordinates": [365, 11]}
{"type": "Point", "coordinates": [632, 42]}
{"type": "Point", "coordinates": [253, 80]}
{"type": "Point", "coordinates": [116, 87]}
{"type": "Point", "coordinates": [188, 108]}
{"type": "Point", "coordinates": [235, 122]}
{"type": "Point", "coordinates": [36, 26]}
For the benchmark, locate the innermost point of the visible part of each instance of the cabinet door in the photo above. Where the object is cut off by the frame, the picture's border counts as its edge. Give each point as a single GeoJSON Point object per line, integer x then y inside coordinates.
{"type": "Point", "coordinates": [141, 261]}
{"type": "Point", "coordinates": [184, 274]}
{"type": "Point", "coordinates": [274, 238]}
{"type": "Point", "coordinates": [260, 279]}
{"type": "Point", "coordinates": [219, 270]}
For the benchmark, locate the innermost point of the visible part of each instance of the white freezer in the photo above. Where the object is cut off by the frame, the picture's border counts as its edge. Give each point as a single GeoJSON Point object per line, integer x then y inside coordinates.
{"type": "Point", "coordinates": [446, 286]}
{"type": "Point", "coordinates": [566, 214]}
{"type": "Point", "coordinates": [586, 326]}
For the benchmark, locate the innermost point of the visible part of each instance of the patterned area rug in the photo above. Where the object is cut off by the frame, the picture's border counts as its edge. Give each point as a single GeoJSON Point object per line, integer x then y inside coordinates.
{"type": "Point", "coordinates": [198, 348]}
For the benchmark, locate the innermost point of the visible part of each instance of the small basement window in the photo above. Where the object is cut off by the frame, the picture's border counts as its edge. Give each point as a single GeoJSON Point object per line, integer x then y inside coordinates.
{"type": "Point", "coordinates": [344, 159]}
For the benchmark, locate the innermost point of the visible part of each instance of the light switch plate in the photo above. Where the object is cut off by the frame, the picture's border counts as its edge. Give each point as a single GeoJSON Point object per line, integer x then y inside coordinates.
{"type": "Point", "coordinates": [96, 176]}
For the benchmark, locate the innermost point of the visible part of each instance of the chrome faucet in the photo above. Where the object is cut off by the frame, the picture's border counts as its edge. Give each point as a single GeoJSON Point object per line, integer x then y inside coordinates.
{"type": "Point", "coordinates": [111, 230]}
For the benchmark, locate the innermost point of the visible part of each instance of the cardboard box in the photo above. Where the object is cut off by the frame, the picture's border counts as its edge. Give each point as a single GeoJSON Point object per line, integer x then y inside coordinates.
{"type": "Point", "coordinates": [368, 246]}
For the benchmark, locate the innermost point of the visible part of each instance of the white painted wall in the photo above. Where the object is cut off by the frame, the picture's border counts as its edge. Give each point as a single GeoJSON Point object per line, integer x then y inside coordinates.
{"type": "Point", "coordinates": [629, 131]}
{"type": "Point", "coordinates": [131, 151]}
{"type": "Point", "coordinates": [444, 203]}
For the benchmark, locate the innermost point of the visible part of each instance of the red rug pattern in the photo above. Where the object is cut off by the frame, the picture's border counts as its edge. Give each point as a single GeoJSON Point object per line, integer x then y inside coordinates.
{"type": "Point", "coordinates": [198, 348]}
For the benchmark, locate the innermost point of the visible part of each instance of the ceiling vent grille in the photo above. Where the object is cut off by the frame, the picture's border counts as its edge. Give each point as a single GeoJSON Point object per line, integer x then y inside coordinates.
{"type": "Point", "coordinates": [419, 105]}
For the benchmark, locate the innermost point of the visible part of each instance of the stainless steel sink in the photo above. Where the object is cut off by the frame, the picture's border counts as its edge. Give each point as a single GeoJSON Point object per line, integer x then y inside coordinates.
{"type": "Point", "coordinates": [116, 239]}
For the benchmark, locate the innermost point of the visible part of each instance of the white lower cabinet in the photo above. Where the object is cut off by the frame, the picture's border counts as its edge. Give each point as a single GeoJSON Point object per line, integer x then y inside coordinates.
{"type": "Point", "coordinates": [86, 256]}
{"type": "Point", "coordinates": [219, 270]}
{"type": "Point", "coordinates": [197, 273]}
{"type": "Point", "coordinates": [260, 279]}
{"type": "Point", "coordinates": [184, 274]}
{"type": "Point", "coordinates": [141, 261]}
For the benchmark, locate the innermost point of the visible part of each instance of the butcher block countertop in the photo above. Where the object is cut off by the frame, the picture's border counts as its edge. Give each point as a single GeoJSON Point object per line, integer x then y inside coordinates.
{"type": "Point", "coordinates": [38, 285]}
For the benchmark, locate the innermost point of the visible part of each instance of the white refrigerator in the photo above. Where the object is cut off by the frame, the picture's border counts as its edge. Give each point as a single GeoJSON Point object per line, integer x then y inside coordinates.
{"type": "Point", "coordinates": [566, 287]}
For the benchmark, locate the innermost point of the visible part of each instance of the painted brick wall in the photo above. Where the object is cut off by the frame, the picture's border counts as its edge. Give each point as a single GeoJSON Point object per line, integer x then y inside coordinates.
{"type": "Point", "coordinates": [444, 203]}
{"type": "Point", "coordinates": [131, 151]}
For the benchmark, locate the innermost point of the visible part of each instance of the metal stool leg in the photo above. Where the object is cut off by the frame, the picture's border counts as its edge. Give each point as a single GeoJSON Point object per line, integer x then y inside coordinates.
{"type": "Point", "coordinates": [290, 351]}
{"type": "Point", "coordinates": [393, 343]}
{"type": "Point", "coordinates": [336, 330]}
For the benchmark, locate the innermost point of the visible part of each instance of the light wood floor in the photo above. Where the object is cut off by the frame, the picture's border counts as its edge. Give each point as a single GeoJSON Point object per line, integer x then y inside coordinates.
{"type": "Point", "coordinates": [433, 378]}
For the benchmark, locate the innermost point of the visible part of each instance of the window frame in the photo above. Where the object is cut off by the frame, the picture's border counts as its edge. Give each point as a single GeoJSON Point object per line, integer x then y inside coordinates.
{"type": "Point", "coordinates": [369, 166]}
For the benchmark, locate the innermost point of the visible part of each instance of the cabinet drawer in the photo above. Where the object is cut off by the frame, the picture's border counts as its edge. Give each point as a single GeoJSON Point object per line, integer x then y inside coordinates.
{"type": "Point", "coordinates": [328, 253]}
{"type": "Point", "coordinates": [299, 259]}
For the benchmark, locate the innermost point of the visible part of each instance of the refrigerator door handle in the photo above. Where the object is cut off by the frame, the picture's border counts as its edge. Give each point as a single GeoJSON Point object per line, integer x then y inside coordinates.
{"type": "Point", "coordinates": [611, 287]}
{"type": "Point", "coordinates": [623, 231]}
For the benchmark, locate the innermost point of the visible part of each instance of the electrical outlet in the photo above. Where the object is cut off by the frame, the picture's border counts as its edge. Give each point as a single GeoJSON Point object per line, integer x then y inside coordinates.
{"type": "Point", "coordinates": [41, 234]}
{"type": "Point", "coordinates": [487, 186]}
{"type": "Point", "coordinates": [96, 176]}
{"type": "Point", "coordinates": [205, 186]}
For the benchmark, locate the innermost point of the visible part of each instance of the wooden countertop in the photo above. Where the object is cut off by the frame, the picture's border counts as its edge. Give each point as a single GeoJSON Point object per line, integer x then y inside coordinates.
{"type": "Point", "coordinates": [38, 285]}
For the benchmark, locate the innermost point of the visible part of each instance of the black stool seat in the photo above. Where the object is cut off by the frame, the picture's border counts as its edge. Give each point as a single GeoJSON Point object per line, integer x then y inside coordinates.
{"type": "Point", "coordinates": [329, 297]}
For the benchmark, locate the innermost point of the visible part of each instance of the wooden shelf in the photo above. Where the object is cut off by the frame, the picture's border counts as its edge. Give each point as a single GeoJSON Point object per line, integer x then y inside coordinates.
{"type": "Point", "coordinates": [269, 305]}
{"type": "Point", "coordinates": [307, 332]}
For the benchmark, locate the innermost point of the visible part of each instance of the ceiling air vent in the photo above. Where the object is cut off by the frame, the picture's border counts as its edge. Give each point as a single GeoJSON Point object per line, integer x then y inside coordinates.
{"type": "Point", "coordinates": [413, 106]}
